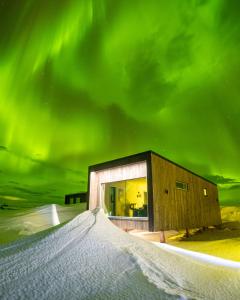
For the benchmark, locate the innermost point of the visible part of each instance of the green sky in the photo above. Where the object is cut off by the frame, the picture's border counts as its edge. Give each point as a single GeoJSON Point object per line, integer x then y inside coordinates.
{"type": "Point", "coordinates": [85, 81]}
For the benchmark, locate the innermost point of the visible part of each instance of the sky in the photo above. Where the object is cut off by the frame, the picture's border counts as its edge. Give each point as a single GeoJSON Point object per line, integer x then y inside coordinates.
{"type": "Point", "coordinates": [83, 82]}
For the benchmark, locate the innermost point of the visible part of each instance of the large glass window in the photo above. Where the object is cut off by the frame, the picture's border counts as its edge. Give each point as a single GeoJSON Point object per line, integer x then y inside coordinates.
{"type": "Point", "coordinates": [126, 198]}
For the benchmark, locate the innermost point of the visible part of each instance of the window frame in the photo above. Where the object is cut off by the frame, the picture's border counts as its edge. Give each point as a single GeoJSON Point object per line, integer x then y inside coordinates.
{"type": "Point", "coordinates": [184, 184]}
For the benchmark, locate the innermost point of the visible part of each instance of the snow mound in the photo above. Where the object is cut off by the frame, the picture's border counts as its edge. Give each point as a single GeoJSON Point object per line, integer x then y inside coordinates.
{"type": "Point", "coordinates": [41, 218]}
{"type": "Point", "coordinates": [230, 213]}
{"type": "Point", "coordinates": [31, 221]}
{"type": "Point", "coordinates": [90, 258]}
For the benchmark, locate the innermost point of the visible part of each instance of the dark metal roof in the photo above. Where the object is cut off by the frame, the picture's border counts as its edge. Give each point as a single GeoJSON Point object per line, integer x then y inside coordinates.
{"type": "Point", "coordinates": [120, 161]}
{"type": "Point", "coordinates": [137, 158]}
{"type": "Point", "coordinates": [75, 194]}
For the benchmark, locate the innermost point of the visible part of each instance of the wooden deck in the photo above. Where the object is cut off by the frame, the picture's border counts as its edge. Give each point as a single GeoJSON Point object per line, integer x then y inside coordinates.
{"type": "Point", "coordinates": [129, 223]}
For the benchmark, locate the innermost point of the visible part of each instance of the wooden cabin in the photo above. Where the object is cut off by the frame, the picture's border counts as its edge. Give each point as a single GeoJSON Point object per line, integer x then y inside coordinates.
{"type": "Point", "coordinates": [76, 198]}
{"type": "Point", "coordinates": [149, 192]}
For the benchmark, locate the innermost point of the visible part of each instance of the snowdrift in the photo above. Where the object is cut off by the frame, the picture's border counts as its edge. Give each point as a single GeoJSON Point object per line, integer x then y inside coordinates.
{"type": "Point", "coordinates": [27, 222]}
{"type": "Point", "coordinates": [90, 258]}
{"type": "Point", "coordinates": [230, 213]}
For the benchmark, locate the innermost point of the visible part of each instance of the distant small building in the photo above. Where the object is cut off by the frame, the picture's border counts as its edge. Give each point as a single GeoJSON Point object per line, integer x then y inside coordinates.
{"type": "Point", "coordinates": [76, 198]}
{"type": "Point", "coordinates": [147, 191]}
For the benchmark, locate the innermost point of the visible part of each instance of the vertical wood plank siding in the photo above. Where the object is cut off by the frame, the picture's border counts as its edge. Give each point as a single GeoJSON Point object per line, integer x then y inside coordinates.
{"type": "Point", "coordinates": [175, 208]}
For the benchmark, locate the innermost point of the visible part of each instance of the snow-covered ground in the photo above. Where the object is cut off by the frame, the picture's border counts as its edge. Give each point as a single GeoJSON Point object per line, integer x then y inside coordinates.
{"type": "Point", "coordinates": [223, 242]}
{"type": "Point", "coordinates": [230, 213]}
{"type": "Point", "coordinates": [90, 258]}
{"type": "Point", "coordinates": [17, 223]}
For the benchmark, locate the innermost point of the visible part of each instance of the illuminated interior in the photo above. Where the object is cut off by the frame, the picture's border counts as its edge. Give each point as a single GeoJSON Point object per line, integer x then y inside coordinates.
{"type": "Point", "coordinates": [127, 198]}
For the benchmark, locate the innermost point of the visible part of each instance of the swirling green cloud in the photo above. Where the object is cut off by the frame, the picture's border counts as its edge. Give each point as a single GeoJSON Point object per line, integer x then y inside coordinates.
{"type": "Point", "coordinates": [87, 81]}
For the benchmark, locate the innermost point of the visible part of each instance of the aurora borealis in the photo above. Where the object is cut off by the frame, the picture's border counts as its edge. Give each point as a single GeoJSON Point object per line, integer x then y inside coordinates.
{"type": "Point", "coordinates": [88, 81]}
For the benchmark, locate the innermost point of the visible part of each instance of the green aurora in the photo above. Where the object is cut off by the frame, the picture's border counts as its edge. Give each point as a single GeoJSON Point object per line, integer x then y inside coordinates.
{"type": "Point", "coordinates": [85, 81]}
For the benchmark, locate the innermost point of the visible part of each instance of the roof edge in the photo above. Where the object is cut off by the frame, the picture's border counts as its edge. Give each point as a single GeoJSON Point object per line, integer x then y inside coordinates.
{"type": "Point", "coordinates": [115, 162]}
{"type": "Point", "coordinates": [137, 158]}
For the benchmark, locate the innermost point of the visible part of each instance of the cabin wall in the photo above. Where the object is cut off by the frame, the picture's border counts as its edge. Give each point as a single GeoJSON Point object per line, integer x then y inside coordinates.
{"type": "Point", "coordinates": [125, 172]}
{"type": "Point", "coordinates": [176, 209]}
